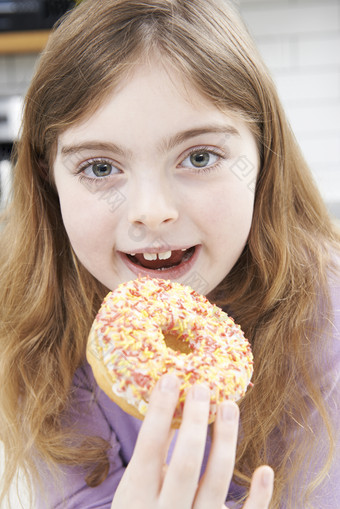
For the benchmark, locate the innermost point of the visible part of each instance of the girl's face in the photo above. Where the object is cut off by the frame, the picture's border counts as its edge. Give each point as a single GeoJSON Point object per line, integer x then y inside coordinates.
{"type": "Point", "coordinates": [158, 181]}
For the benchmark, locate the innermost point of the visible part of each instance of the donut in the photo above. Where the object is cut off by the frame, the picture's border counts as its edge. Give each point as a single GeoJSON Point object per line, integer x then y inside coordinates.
{"type": "Point", "coordinates": [148, 327]}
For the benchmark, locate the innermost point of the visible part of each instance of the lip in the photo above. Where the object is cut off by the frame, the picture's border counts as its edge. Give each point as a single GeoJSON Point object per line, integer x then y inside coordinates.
{"type": "Point", "coordinates": [171, 273]}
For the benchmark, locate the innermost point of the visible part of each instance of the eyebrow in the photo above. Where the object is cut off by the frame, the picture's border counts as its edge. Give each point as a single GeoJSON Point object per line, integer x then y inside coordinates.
{"type": "Point", "coordinates": [93, 145]}
{"type": "Point", "coordinates": [177, 139]}
{"type": "Point", "coordinates": [165, 145]}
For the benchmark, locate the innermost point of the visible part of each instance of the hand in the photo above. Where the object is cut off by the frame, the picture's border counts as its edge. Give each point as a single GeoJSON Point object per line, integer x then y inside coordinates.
{"type": "Point", "coordinates": [149, 484]}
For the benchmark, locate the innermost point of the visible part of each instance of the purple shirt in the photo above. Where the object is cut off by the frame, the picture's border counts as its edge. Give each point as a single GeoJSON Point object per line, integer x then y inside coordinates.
{"type": "Point", "coordinates": [96, 414]}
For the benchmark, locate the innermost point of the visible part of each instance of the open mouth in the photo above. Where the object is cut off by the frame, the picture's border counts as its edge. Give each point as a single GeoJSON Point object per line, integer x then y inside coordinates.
{"type": "Point", "coordinates": [164, 260]}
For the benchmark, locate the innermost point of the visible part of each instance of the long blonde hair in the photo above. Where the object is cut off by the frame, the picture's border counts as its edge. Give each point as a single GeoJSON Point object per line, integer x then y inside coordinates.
{"type": "Point", "coordinates": [276, 289]}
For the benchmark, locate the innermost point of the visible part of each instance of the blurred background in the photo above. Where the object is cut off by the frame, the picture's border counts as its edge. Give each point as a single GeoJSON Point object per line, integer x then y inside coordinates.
{"type": "Point", "coordinates": [24, 30]}
{"type": "Point", "coordinates": [298, 39]}
{"type": "Point", "coordinates": [300, 43]}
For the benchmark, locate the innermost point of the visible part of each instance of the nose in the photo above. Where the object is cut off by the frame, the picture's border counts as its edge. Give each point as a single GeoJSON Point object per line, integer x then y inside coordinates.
{"type": "Point", "coordinates": [152, 204]}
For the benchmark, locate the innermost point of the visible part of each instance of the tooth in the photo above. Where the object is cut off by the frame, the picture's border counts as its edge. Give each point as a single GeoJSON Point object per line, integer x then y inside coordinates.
{"type": "Point", "coordinates": [132, 254]}
{"type": "Point", "coordinates": [150, 256]}
{"type": "Point", "coordinates": [165, 255]}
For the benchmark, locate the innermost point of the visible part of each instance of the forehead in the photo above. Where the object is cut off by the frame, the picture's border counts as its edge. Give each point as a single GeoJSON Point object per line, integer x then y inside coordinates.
{"type": "Point", "coordinates": [152, 93]}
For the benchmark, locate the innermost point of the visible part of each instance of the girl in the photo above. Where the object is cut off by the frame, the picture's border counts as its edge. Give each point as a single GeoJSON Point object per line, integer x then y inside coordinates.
{"type": "Point", "coordinates": [153, 142]}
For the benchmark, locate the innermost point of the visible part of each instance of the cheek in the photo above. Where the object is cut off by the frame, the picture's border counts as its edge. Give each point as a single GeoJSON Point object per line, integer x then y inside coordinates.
{"type": "Point", "coordinates": [89, 221]}
{"type": "Point", "coordinates": [227, 205]}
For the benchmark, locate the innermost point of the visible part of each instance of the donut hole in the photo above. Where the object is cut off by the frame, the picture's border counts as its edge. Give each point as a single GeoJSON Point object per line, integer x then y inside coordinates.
{"type": "Point", "coordinates": [176, 344]}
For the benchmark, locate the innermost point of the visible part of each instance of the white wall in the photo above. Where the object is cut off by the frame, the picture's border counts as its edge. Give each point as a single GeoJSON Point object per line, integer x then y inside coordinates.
{"type": "Point", "coordinates": [300, 43]}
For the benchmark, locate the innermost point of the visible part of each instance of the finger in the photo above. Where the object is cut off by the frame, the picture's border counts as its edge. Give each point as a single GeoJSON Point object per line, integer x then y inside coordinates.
{"type": "Point", "coordinates": [154, 436]}
{"type": "Point", "coordinates": [180, 484]}
{"type": "Point", "coordinates": [215, 482]}
{"type": "Point", "coordinates": [261, 488]}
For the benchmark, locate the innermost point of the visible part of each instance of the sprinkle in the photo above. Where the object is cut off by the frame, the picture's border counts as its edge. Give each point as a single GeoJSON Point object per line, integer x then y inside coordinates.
{"type": "Point", "coordinates": [128, 335]}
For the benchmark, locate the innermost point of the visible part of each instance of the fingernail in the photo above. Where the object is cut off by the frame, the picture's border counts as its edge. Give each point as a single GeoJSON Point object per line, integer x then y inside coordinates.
{"type": "Point", "coordinates": [168, 383]}
{"type": "Point", "coordinates": [201, 393]}
{"type": "Point", "coordinates": [267, 476]}
{"type": "Point", "coordinates": [229, 411]}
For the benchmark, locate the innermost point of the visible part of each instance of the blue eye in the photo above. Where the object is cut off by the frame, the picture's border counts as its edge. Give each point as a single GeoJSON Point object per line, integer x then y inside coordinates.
{"type": "Point", "coordinates": [98, 169]}
{"type": "Point", "coordinates": [101, 169]}
{"type": "Point", "coordinates": [201, 159]}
